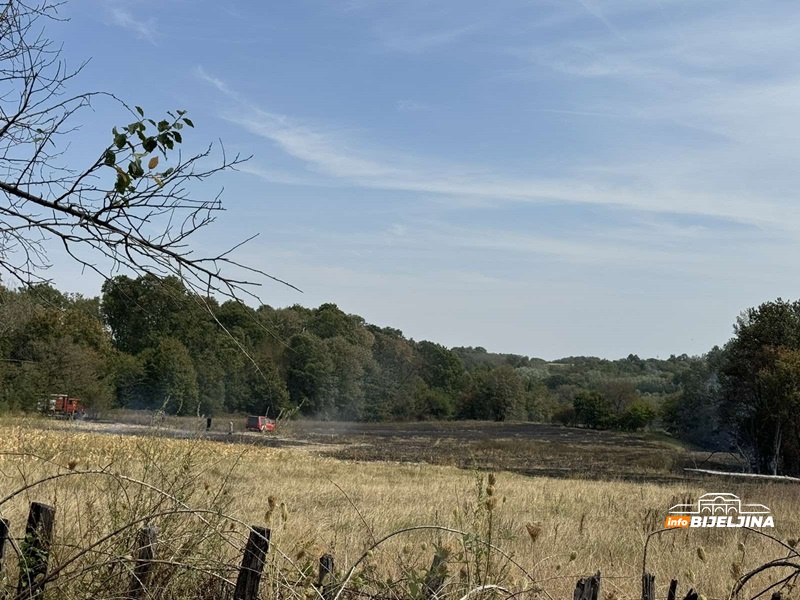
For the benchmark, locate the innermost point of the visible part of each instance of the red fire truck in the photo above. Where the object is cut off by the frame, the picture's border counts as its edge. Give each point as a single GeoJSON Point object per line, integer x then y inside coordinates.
{"type": "Point", "coordinates": [63, 405]}
{"type": "Point", "coordinates": [255, 423]}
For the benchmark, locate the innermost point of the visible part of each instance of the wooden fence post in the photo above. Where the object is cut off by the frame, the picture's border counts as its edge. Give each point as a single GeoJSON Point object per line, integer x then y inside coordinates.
{"type": "Point", "coordinates": [4, 534]}
{"type": "Point", "coordinates": [434, 580]}
{"type": "Point", "coordinates": [777, 596]}
{"type": "Point", "coordinates": [255, 555]}
{"type": "Point", "coordinates": [692, 595]}
{"type": "Point", "coordinates": [588, 588]}
{"type": "Point", "coordinates": [325, 582]}
{"type": "Point", "coordinates": [673, 590]}
{"type": "Point", "coordinates": [146, 543]}
{"type": "Point", "coordinates": [35, 550]}
{"type": "Point", "coordinates": [648, 586]}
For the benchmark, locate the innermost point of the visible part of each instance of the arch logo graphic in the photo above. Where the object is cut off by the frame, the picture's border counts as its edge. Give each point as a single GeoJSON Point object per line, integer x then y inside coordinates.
{"type": "Point", "coordinates": [717, 509]}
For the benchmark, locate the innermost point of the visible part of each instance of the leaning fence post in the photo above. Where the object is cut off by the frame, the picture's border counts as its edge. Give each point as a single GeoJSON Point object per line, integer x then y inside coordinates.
{"type": "Point", "coordinates": [255, 555]}
{"type": "Point", "coordinates": [587, 588]}
{"type": "Point", "coordinates": [35, 550]}
{"type": "Point", "coordinates": [146, 542]}
{"type": "Point", "coordinates": [434, 580]}
{"type": "Point", "coordinates": [777, 596]}
{"type": "Point", "coordinates": [325, 582]}
{"type": "Point", "coordinates": [673, 590]}
{"type": "Point", "coordinates": [691, 595]}
{"type": "Point", "coordinates": [648, 586]}
{"type": "Point", "coordinates": [4, 528]}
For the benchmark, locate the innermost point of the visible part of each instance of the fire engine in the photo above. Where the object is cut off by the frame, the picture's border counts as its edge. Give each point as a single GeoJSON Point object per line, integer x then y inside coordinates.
{"type": "Point", "coordinates": [255, 423]}
{"type": "Point", "coordinates": [63, 405]}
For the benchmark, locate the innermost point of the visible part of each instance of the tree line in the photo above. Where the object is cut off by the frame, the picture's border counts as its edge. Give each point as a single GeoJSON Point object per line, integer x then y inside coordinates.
{"type": "Point", "coordinates": [150, 343]}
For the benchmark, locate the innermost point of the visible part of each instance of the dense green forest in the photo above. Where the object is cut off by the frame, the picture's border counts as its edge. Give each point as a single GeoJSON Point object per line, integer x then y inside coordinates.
{"type": "Point", "coordinates": [148, 343]}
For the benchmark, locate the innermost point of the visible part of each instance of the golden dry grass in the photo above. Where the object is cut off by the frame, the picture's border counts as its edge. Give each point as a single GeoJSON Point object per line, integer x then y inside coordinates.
{"type": "Point", "coordinates": [320, 504]}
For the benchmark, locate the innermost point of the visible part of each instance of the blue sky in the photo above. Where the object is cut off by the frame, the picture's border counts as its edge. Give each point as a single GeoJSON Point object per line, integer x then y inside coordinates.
{"type": "Point", "coordinates": [546, 177]}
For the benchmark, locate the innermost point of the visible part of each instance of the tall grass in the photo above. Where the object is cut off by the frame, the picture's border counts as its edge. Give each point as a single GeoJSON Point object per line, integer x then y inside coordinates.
{"type": "Point", "coordinates": [498, 534]}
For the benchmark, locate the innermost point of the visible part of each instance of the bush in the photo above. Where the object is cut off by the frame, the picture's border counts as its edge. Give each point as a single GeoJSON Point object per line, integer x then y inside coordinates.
{"type": "Point", "coordinates": [593, 409]}
{"type": "Point", "coordinates": [637, 416]}
{"type": "Point", "coordinates": [564, 416]}
{"type": "Point", "coordinates": [433, 403]}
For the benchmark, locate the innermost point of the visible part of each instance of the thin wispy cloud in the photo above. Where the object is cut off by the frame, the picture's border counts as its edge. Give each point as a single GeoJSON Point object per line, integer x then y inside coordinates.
{"type": "Point", "coordinates": [591, 7]}
{"type": "Point", "coordinates": [216, 82]}
{"type": "Point", "coordinates": [593, 157]}
{"type": "Point", "coordinates": [669, 249]}
{"type": "Point", "coordinates": [412, 106]}
{"type": "Point", "coordinates": [415, 42]}
{"type": "Point", "coordinates": [278, 176]}
{"type": "Point", "coordinates": [327, 153]}
{"type": "Point", "coordinates": [143, 28]}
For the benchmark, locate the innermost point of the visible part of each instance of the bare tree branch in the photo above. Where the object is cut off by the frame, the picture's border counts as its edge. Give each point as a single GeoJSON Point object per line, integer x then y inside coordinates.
{"type": "Point", "coordinates": [125, 210]}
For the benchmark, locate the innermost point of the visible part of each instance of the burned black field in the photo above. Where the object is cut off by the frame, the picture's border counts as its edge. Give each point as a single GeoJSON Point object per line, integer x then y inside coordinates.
{"type": "Point", "coordinates": [533, 449]}
{"type": "Point", "coordinates": [525, 448]}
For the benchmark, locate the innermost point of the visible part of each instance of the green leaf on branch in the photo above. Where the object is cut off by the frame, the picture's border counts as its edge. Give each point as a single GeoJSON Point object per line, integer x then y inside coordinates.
{"type": "Point", "coordinates": [122, 181]}
{"type": "Point", "coordinates": [165, 140]}
{"type": "Point", "coordinates": [135, 169]}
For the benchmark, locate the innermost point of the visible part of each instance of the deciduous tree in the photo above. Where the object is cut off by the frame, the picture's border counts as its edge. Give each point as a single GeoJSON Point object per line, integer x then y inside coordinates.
{"type": "Point", "coordinates": [130, 206]}
{"type": "Point", "coordinates": [759, 385]}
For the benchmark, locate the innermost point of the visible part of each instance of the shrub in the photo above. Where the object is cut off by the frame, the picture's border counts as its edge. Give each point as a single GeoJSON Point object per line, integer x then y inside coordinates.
{"type": "Point", "coordinates": [564, 416]}
{"type": "Point", "coordinates": [593, 409]}
{"type": "Point", "coordinates": [637, 416]}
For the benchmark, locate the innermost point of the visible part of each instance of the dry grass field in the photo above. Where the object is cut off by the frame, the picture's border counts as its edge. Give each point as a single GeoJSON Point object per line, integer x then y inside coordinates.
{"type": "Point", "coordinates": [318, 497]}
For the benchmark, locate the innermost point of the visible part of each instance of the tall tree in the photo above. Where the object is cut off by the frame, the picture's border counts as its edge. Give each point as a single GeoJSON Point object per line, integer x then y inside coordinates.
{"type": "Point", "coordinates": [758, 397]}
{"type": "Point", "coordinates": [140, 311]}
{"type": "Point", "coordinates": [440, 368]}
{"type": "Point", "coordinates": [127, 208]}
{"type": "Point", "coordinates": [495, 394]}
{"type": "Point", "coordinates": [171, 379]}
{"type": "Point", "coordinates": [308, 374]}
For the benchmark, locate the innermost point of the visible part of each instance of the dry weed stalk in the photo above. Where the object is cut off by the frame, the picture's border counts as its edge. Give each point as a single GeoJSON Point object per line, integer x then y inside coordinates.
{"type": "Point", "coordinates": [197, 494]}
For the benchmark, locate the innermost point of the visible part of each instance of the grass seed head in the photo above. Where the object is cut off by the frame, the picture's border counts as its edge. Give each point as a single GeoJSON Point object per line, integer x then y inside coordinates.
{"type": "Point", "coordinates": [701, 553]}
{"type": "Point", "coordinates": [534, 530]}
